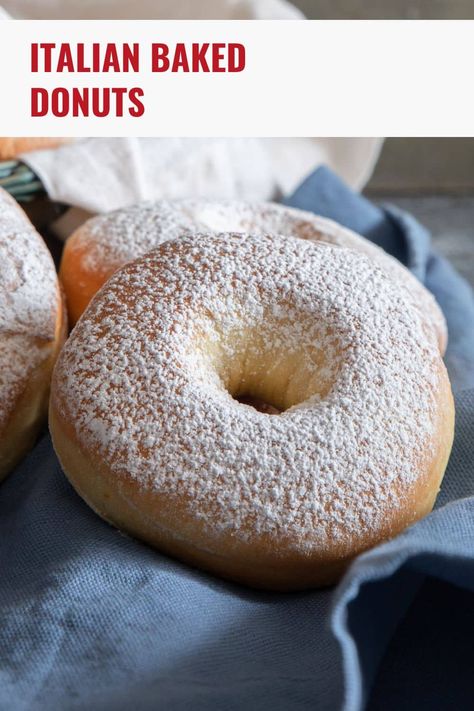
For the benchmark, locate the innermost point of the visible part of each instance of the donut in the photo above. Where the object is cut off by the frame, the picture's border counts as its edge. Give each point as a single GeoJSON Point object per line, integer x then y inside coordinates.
{"type": "Point", "coordinates": [32, 328]}
{"type": "Point", "coordinates": [151, 421]}
{"type": "Point", "coordinates": [107, 242]}
{"type": "Point", "coordinates": [13, 147]}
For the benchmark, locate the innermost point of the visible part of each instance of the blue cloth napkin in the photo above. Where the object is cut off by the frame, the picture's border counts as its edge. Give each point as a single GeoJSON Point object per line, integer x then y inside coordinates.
{"type": "Point", "coordinates": [91, 619]}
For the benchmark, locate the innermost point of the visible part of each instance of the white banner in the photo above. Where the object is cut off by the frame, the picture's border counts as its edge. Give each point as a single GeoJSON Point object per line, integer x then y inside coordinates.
{"type": "Point", "coordinates": [236, 78]}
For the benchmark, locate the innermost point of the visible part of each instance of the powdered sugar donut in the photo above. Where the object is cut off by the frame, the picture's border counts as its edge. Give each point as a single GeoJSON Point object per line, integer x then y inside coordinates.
{"type": "Point", "coordinates": [31, 328]}
{"type": "Point", "coordinates": [150, 422]}
{"type": "Point", "coordinates": [107, 242]}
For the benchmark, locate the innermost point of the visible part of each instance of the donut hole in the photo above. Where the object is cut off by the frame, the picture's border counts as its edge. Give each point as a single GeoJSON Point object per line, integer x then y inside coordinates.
{"type": "Point", "coordinates": [274, 381]}
{"type": "Point", "coordinates": [258, 404]}
{"type": "Point", "coordinates": [272, 370]}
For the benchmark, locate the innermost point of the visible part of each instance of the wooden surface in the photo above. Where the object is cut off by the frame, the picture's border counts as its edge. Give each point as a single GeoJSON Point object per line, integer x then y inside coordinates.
{"type": "Point", "coordinates": [387, 9]}
{"type": "Point", "coordinates": [428, 165]}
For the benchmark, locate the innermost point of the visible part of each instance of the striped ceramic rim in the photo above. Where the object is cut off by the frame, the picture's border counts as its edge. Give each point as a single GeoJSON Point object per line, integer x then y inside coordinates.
{"type": "Point", "coordinates": [19, 180]}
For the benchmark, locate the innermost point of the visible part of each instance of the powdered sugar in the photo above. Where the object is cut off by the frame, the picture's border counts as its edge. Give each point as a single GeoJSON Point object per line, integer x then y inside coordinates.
{"type": "Point", "coordinates": [28, 301]}
{"type": "Point", "coordinates": [148, 374]}
{"type": "Point", "coordinates": [109, 241]}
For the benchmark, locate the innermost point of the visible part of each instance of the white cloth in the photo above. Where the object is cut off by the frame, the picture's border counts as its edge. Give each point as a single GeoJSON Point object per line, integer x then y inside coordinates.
{"type": "Point", "coordinates": [152, 9]}
{"type": "Point", "coordinates": [100, 174]}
